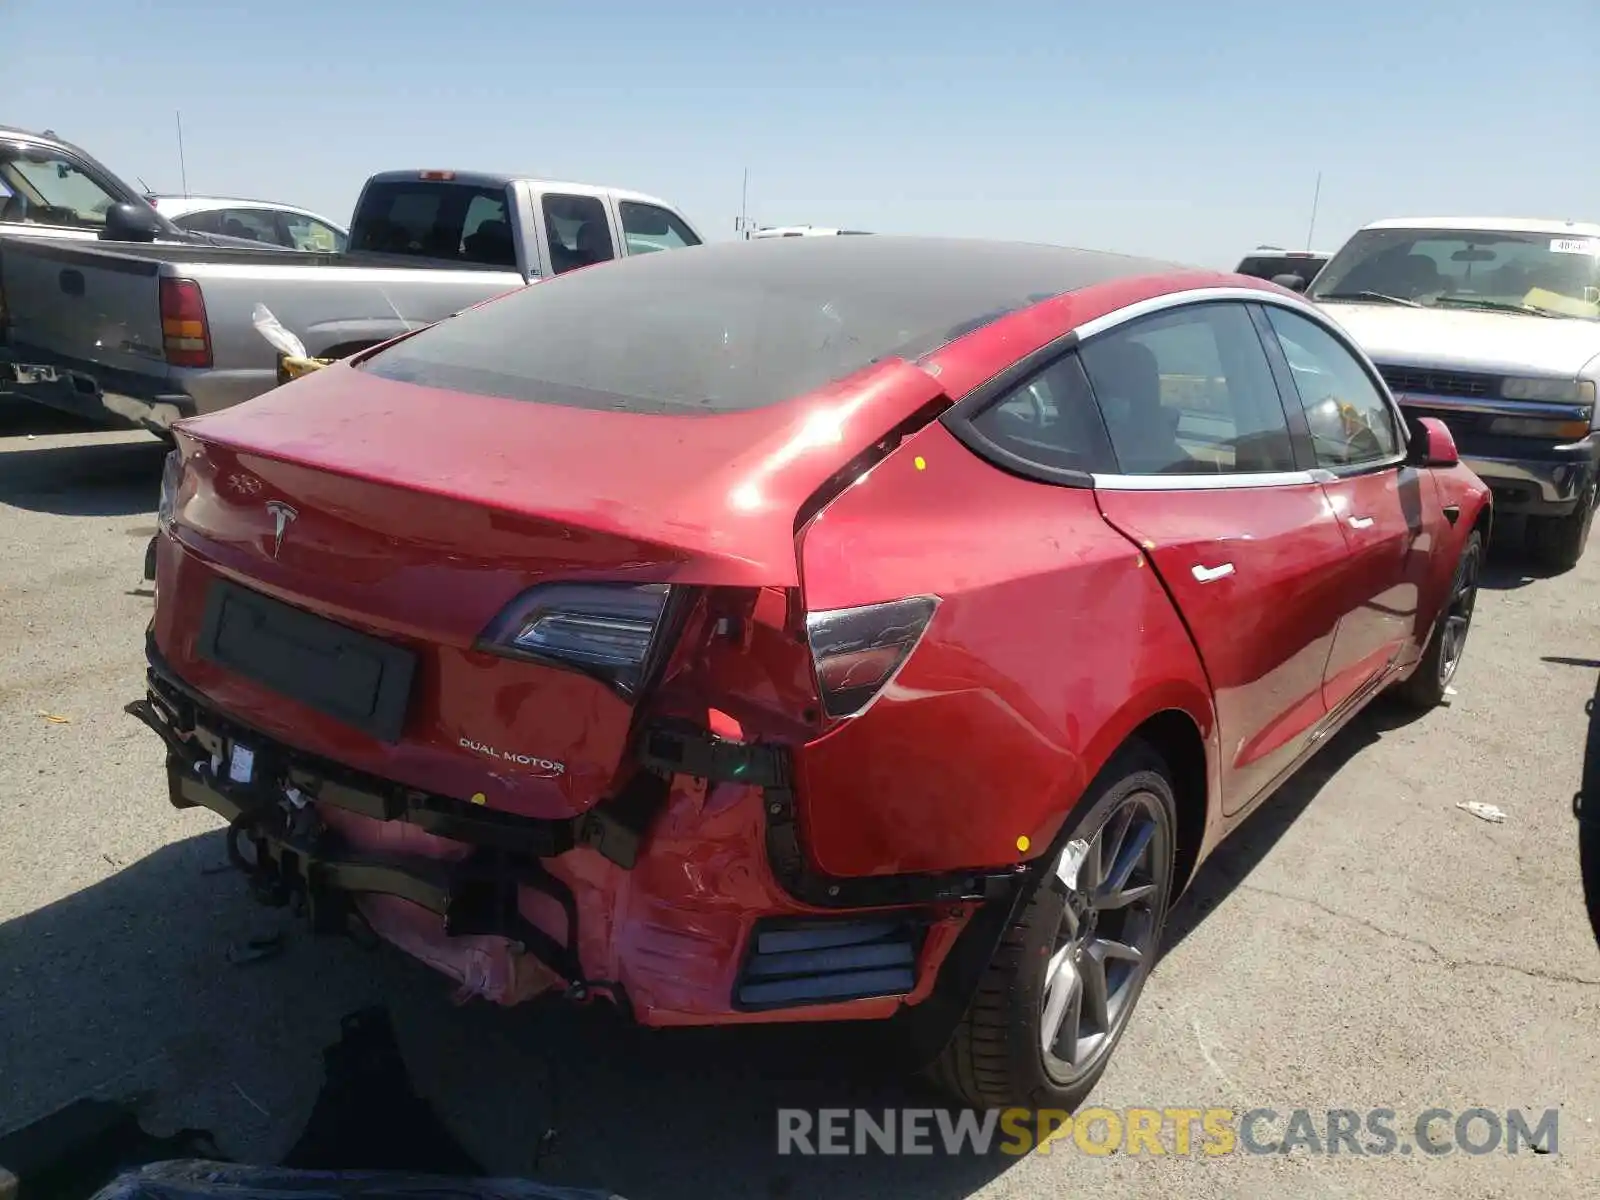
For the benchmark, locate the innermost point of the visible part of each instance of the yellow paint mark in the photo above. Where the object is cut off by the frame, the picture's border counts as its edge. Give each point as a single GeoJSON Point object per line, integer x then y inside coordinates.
{"type": "Point", "coordinates": [920, 463]}
{"type": "Point", "coordinates": [1023, 843]}
{"type": "Point", "coordinates": [1148, 545]}
{"type": "Point", "coordinates": [479, 798]}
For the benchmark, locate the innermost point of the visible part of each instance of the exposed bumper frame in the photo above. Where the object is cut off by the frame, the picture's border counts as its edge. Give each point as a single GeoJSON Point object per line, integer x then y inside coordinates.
{"type": "Point", "coordinates": [478, 895]}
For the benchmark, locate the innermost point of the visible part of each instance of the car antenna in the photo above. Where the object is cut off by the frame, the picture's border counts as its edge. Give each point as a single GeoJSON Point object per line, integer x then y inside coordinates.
{"type": "Point", "coordinates": [183, 169]}
{"type": "Point", "coordinates": [1315, 196]}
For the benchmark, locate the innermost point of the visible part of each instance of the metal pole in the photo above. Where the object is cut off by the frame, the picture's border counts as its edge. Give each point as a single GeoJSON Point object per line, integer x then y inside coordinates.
{"type": "Point", "coordinates": [744, 205]}
{"type": "Point", "coordinates": [1315, 197]}
{"type": "Point", "coordinates": [183, 169]}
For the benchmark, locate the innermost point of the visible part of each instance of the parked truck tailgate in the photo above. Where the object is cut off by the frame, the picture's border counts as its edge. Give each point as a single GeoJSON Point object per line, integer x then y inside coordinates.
{"type": "Point", "coordinates": [83, 302]}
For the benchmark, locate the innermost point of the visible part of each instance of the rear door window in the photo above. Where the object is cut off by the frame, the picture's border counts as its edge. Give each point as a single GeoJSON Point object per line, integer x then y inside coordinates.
{"type": "Point", "coordinates": [308, 233]}
{"type": "Point", "coordinates": [649, 227]}
{"type": "Point", "coordinates": [254, 224]}
{"type": "Point", "coordinates": [578, 231]}
{"type": "Point", "coordinates": [450, 222]}
{"type": "Point", "coordinates": [1190, 392]}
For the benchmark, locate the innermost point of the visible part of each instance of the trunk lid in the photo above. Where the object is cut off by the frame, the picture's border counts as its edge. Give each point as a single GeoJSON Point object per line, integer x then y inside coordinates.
{"type": "Point", "coordinates": [418, 515]}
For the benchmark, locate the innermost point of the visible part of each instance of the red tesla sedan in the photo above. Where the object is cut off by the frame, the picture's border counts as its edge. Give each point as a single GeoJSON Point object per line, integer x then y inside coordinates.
{"type": "Point", "coordinates": [802, 630]}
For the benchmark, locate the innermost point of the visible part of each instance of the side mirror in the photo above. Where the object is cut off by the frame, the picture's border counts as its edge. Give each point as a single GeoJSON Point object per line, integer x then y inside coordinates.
{"type": "Point", "coordinates": [1293, 282]}
{"type": "Point", "coordinates": [1432, 444]}
{"type": "Point", "coordinates": [132, 223]}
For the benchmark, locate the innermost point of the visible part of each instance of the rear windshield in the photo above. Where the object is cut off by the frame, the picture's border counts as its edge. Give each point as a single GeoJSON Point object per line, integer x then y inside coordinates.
{"type": "Point", "coordinates": [1270, 266]}
{"type": "Point", "coordinates": [732, 326]}
{"type": "Point", "coordinates": [450, 222]}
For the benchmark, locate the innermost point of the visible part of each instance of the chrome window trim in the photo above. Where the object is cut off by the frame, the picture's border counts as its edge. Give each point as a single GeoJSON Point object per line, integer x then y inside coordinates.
{"type": "Point", "coordinates": [1107, 322]}
{"type": "Point", "coordinates": [1157, 304]}
{"type": "Point", "coordinates": [1209, 482]}
{"type": "Point", "coordinates": [1351, 470]}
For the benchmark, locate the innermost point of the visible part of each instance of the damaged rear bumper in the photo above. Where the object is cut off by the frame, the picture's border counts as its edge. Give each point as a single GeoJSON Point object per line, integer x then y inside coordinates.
{"type": "Point", "coordinates": [665, 899]}
{"type": "Point", "coordinates": [100, 395]}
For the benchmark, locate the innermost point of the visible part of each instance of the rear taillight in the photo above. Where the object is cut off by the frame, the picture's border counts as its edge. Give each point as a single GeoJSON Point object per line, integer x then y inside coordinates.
{"type": "Point", "coordinates": [184, 332]}
{"type": "Point", "coordinates": [609, 631]}
{"type": "Point", "coordinates": [856, 651]}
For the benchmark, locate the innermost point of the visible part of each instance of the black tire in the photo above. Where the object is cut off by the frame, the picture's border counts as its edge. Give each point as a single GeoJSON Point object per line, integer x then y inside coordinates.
{"type": "Point", "coordinates": [1426, 686]}
{"type": "Point", "coordinates": [996, 1058]}
{"type": "Point", "coordinates": [1559, 542]}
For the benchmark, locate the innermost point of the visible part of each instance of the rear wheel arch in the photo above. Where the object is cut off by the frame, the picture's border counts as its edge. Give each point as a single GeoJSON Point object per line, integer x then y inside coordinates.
{"type": "Point", "coordinates": [1484, 521]}
{"type": "Point", "coordinates": [1174, 736]}
{"type": "Point", "coordinates": [1177, 720]}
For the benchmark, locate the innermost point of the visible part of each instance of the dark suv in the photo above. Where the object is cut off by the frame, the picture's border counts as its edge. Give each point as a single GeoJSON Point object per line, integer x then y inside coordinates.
{"type": "Point", "coordinates": [1274, 262]}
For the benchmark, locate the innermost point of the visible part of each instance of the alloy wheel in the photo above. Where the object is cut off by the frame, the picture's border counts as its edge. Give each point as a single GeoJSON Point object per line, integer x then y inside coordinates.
{"type": "Point", "coordinates": [1115, 879]}
{"type": "Point", "coordinates": [1458, 615]}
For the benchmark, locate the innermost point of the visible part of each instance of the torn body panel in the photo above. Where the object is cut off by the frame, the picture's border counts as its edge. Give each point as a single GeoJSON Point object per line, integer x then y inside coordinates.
{"type": "Point", "coordinates": [667, 933]}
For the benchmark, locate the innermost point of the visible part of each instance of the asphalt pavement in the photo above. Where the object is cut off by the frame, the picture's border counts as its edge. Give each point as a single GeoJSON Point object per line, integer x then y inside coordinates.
{"type": "Point", "coordinates": [1362, 943]}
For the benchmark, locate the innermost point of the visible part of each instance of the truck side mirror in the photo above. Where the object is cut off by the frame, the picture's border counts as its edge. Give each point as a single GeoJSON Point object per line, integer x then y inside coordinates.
{"type": "Point", "coordinates": [1293, 282]}
{"type": "Point", "coordinates": [127, 222]}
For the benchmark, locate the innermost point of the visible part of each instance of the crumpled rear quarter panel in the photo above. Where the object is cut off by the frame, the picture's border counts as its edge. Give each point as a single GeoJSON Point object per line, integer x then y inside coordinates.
{"type": "Point", "coordinates": [1053, 640]}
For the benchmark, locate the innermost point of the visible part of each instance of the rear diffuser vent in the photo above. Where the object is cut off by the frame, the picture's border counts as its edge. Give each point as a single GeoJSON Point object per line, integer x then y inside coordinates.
{"type": "Point", "coordinates": [820, 962]}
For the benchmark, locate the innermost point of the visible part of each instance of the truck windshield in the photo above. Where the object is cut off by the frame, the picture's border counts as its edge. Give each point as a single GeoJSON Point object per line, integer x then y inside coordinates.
{"type": "Point", "coordinates": [449, 222]}
{"type": "Point", "coordinates": [40, 187]}
{"type": "Point", "coordinates": [1536, 273]}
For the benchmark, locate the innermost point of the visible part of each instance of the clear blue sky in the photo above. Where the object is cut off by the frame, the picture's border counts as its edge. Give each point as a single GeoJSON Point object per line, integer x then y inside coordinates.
{"type": "Point", "coordinates": [1189, 129]}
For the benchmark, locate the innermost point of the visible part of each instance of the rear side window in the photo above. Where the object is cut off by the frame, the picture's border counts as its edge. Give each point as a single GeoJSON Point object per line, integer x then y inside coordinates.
{"type": "Point", "coordinates": [451, 222]}
{"type": "Point", "coordinates": [649, 227]}
{"type": "Point", "coordinates": [1190, 392]}
{"type": "Point", "coordinates": [308, 233]}
{"type": "Point", "coordinates": [578, 233]}
{"type": "Point", "coordinates": [1049, 421]}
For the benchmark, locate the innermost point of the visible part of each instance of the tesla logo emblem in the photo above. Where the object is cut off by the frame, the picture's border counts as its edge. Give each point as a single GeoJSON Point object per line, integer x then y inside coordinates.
{"type": "Point", "coordinates": [282, 516]}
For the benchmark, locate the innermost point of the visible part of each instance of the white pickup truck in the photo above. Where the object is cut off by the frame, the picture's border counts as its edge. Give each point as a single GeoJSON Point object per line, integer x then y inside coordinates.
{"type": "Point", "coordinates": [143, 335]}
{"type": "Point", "coordinates": [1492, 325]}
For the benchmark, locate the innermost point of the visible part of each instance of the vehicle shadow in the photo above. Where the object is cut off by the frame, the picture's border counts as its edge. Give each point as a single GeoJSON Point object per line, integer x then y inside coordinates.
{"type": "Point", "coordinates": [1586, 803]}
{"type": "Point", "coordinates": [126, 987]}
{"type": "Point", "coordinates": [18, 418]}
{"type": "Point", "coordinates": [1233, 861]}
{"type": "Point", "coordinates": [89, 479]}
{"type": "Point", "coordinates": [1508, 565]}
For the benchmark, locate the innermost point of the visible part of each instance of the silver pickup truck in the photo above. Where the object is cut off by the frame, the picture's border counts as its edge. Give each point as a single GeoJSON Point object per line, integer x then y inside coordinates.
{"type": "Point", "coordinates": [145, 335]}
